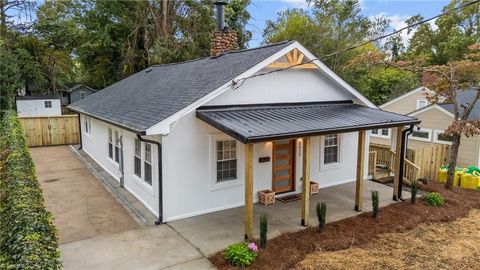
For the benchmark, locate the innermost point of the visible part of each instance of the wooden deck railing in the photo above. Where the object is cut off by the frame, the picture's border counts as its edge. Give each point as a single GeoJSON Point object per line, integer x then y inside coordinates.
{"type": "Point", "coordinates": [410, 171]}
{"type": "Point", "coordinates": [372, 164]}
{"type": "Point", "coordinates": [384, 155]}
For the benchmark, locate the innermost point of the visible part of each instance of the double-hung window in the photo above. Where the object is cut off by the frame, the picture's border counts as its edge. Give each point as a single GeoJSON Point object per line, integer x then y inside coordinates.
{"type": "Point", "coordinates": [383, 132]}
{"type": "Point", "coordinates": [137, 159]}
{"type": "Point", "coordinates": [226, 160]}
{"type": "Point", "coordinates": [110, 143]}
{"type": "Point", "coordinates": [117, 147]}
{"type": "Point", "coordinates": [148, 163]}
{"type": "Point", "coordinates": [331, 149]}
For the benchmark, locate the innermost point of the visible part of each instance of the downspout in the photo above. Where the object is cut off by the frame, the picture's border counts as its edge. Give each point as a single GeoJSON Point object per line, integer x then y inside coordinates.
{"type": "Point", "coordinates": [403, 150]}
{"type": "Point", "coordinates": [80, 130]}
{"type": "Point", "coordinates": [160, 182]}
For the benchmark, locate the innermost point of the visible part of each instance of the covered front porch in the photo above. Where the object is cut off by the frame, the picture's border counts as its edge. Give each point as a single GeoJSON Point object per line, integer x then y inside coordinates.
{"type": "Point", "coordinates": [265, 123]}
{"type": "Point", "coordinates": [215, 231]}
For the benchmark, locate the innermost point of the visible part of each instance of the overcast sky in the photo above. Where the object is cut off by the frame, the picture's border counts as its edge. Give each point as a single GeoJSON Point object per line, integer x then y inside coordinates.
{"type": "Point", "coordinates": [397, 10]}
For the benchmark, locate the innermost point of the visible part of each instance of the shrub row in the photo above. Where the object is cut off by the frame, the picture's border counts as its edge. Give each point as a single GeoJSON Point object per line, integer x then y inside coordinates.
{"type": "Point", "coordinates": [28, 238]}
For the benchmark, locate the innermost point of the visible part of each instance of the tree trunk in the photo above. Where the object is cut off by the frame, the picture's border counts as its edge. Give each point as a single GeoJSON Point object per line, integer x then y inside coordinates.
{"type": "Point", "coordinates": [453, 161]}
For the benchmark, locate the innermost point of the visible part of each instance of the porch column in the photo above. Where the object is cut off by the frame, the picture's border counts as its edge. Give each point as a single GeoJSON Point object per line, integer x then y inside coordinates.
{"type": "Point", "coordinates": [306, 182]}
{"type": "Point", "coordinates": [398, 150]}
{"type": "Point", "coordinates": [360, 171]}
{"type": "Point", "coordinates": [248, 191]}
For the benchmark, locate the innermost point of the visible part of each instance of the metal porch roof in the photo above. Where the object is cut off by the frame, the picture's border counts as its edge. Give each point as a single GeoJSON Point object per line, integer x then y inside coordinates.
{"type": "Point", "coordinates": [256, 123]}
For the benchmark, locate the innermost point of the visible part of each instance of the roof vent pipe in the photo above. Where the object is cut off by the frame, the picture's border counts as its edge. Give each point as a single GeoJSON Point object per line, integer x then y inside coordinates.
{"type": "Point", "coordinates": [220, 13]}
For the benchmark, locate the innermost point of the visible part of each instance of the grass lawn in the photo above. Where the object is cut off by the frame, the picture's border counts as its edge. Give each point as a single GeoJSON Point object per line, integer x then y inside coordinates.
{"type": "Point", "coordinates": [451, 245]}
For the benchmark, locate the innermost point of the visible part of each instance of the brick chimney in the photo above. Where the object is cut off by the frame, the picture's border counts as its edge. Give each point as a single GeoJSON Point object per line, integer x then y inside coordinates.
{"type": "Point", "coordinates": [223, 39]}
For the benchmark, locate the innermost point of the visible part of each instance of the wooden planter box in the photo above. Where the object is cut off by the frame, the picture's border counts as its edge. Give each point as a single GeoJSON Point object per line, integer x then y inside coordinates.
{"type": "Point", "coordinates": [313, 187]}
{"type": "Point", "coordinates": [266, 196]}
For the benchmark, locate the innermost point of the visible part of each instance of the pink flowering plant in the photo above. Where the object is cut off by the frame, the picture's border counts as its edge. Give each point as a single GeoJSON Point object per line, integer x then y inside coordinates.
{"type": "Point", "coordinates": [241, 254]}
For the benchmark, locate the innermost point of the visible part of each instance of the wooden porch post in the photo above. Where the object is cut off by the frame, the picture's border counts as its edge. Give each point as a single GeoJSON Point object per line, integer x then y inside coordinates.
{"type": "Point", "coordinates": [360, 171]}
{"type": "Point", "coordinates": [396, 179]}
{"type": "Point", "coordinates": [306, 182]}
{"type": "Point", "coordinates": [248, 191]}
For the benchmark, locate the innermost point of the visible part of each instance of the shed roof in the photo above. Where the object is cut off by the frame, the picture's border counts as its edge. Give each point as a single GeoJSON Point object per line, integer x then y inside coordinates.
{"type": "Point", "coordinates": [465, 97]}
{"type": "Point", "coordinates": [281, 121]}
{"type": "Point", "coordinates": [36, 97]}
{"type": "Point", "coordinates": [155, 93]}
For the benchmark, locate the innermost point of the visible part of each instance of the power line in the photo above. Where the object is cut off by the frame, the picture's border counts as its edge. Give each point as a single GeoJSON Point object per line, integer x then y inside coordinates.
{"type": "Point", "coordinates": [238, 83]}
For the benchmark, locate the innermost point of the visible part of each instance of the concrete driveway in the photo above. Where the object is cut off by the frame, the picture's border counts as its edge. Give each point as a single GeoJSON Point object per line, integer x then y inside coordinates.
{"type": "Point", "coordinates": [82, 207]}
{"type": "Point", "coordinates": [95, 230]}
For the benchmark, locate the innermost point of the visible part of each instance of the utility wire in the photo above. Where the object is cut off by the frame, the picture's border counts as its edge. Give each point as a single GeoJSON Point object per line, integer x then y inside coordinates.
{"type": "Point", "coordinates": [238, 83]}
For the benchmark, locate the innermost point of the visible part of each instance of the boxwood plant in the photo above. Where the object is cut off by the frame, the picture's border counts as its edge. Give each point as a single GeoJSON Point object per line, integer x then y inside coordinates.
{"type": "Point", "coordinates": [28, 238]}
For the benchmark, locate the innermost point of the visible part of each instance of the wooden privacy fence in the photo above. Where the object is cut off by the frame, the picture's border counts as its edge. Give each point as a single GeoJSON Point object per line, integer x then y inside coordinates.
{"type": "Point", "coordinates": [429, 159]}
{"type": "Point", "coordinates": [50, 130]}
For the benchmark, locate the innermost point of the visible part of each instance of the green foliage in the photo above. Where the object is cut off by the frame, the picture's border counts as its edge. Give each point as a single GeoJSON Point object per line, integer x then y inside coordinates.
{"type": "Point", "coordinates": [9, 79]}
{"type": "Point", "coordinates": [28, 238]}
{"type": "Point", "coordinates": [239, 255]}
{"type": "Point", "coordinates": [434, 199]}
{"type": "Point", "coordinates": [375, 203]}
{"type": "Point", "coordinates": [321, 215]}
{"type": "Point", "coordinates": [263, 231]}
{"type": "Point", "coordinates": [413, 191]}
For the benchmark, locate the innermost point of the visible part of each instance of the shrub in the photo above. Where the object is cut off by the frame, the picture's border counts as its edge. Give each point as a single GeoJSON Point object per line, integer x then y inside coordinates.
{"type": "Point", "coordinates": [240, 254]}
{"type": "Point", "coordinates": [413, 191]}
{"type": "Point", "coordinates": [263, 231]}
{"type": "Point", "coordinates": [321, 215]}
{"type": "Point", "coordinates": [375, 203]}
{"type": "Point", "coordinates": [433, 198]}
{"type": "Point", "coordinates": [28, 238]}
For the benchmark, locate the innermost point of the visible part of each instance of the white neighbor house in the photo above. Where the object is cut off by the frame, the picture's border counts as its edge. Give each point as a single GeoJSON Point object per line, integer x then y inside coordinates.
{"type": "Point", "coordinates": [191, 131]}
{"type": "Point", "coordinates": [32, 106]}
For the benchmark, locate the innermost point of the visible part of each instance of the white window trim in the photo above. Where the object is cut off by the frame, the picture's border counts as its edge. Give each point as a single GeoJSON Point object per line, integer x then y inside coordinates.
{"type": "Point", "coordinates": [334, 165]}
{"type": "Point", "coordinates": [140, 180]}
{"type": "Point", "coordinates": [48, 102]}
{"type": "Point", "coordinates": [214, 185]}
{"type": "Point", "coordinates": [88, 122]}
{"type": "Point", "coordinates": [429, 131]}
{"type": "Point", "coordinates": [380, 135]}
{"type": "Point", "coordinates": [422, 100]}
{"type": "Point", "coordinates": [108, 144]}
{"type": "Point", "coordinates": [435, 135]}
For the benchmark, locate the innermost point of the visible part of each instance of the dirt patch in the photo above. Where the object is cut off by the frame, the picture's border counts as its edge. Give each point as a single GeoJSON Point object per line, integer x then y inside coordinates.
{"type": "Point", "coordinates": [287, 250]}
{"type": "Point", "coordinates": [450, 245]}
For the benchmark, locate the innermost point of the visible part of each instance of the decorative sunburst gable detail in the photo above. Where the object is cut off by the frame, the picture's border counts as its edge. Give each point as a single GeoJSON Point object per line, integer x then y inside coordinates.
{"type": "Point", "coordinates": [292, 59]}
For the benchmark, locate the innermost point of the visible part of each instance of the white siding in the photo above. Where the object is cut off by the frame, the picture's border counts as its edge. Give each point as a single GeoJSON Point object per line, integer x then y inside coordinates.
{"type": "Point", "coordinates": [286, 86]}
{"type": "Point", "coordinates": [95, 144]}
{"type": "Point", "coordinates": [189, 176]}
{"type": "Point", "coordinates": [36, 107]}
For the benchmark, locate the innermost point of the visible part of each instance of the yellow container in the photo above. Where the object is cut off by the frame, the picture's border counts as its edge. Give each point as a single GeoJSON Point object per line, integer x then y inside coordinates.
{"type": "Point", "coordinates": [470, 181]}
{"type": "Point", "coordinates": [442, 177]}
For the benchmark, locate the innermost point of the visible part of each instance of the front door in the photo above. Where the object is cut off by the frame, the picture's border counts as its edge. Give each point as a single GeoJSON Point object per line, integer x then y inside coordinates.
{"type": "Point", "coordinates": [283, 166]}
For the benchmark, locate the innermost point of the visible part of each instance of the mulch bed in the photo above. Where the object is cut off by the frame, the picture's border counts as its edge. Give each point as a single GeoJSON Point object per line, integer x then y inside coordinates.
{"type": "Point", "coordinates": [285, 251]}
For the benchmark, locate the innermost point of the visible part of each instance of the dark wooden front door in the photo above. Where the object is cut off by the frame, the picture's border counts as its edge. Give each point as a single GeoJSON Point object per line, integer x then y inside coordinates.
{"type": "Point", "coordinates": [283, 166]}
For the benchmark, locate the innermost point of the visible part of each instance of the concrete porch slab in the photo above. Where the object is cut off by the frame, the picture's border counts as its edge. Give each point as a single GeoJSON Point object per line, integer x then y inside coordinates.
{"type": "Point", "coordinates": [213, 232]}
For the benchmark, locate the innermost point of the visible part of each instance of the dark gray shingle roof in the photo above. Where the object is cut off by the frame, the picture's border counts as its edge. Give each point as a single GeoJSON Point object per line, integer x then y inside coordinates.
{"type": "Point", "coordinates": [151, 95]}
{"type": "Point", "coordinates": [465, 97]}
{"type": "Point", "coordinates": [35, 97]}
{"type": "Point", "coordinates": [280, 121]}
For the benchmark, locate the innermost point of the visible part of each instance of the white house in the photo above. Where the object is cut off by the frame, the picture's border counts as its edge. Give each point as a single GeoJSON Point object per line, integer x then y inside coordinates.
{"type": "Point", "coordinates": [206, 135]}
{"type": "Point", "coordinates": [45, 105]}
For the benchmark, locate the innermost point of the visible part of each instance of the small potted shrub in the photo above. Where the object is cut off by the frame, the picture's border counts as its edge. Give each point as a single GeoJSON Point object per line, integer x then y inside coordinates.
{"type": "Point", "coordinates": [241, 254]}
{"type": "Point", "coordinates": [375, 203]}
{"type": "Point", "coordinates": [434, 199]}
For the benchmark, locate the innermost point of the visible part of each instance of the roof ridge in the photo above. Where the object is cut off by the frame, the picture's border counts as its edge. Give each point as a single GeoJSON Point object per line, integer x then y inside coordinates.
{"type": "Point", "coordinates": [220, 55]}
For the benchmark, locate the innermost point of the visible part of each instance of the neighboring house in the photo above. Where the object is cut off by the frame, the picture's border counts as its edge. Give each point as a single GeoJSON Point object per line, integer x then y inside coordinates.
{"type": "Point", "coordinates": [205, 135]}
{"type": "Point", "coordinates": [435, 120]}
{"type": "Point", "coordinates": [45, 105]}
{"type": "Point", "coordinates": [75, 93]}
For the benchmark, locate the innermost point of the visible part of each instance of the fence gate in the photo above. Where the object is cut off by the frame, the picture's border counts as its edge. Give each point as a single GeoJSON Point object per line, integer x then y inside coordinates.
{"type": "Point", "coordinates": [51, 130]}
{"type": "Point", "coordinates": [429, 159]}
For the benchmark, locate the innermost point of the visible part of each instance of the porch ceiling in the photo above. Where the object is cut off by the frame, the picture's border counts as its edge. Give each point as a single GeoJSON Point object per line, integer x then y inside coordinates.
{"type": "Point", "coordinates": [256, 123]}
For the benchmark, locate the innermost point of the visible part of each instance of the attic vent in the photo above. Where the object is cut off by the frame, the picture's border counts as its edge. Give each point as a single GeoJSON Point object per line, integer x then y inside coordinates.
{"type": "Point", "coordinates": [148, 70]}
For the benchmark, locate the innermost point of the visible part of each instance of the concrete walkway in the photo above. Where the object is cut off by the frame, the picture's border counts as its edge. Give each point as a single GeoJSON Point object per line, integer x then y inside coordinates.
{"type": "Point", "coordinates": [215, 231]}
{"type": "Point", "coordinates": [101, 226]}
